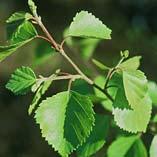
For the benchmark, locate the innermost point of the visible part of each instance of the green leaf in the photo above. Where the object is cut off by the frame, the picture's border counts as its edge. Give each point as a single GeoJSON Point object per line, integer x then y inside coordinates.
{"type": "Point", "coordinates": [97, 138]}
{"type": "Point", "coordinates": [15, 21]}
{"type": "Point", "coordinates": [153, 150]}
{"type": "Point", "coordinates": [6, 51]}
{"type": "Point", "coordinates": [32, 7]}
{"type": "Point", "coordinates": [42, 53]}
{"type": "Point", "coordinates": [120, 99]}
{"type": "Point", "coordinates": [136, 116]}
{"type": "Point", "coordinates": [124, 54]}
{"type": "Point", "coordinates": [155, 119]}
{"type": "Point", "coordinates": [131, 63]}
{"type": "Point", "coordinates": [66, 120]}
{"type": "Point", "coordinates": [121, 146]}
{"type": "Point", "coordinates": [135, 85]}
{"type": "Point", "coordinates": [87, 25]}
{"type": "Point", "coordinates": [40, 91]}
{"type": "Point", "coordinates": [100, 81]}
{"type": "Point", "coordinates": [88, 47]}
{"type": "Point", "coordinates": [106, 103]}
{"type": "Point", "coordinates": [24, 32]}
{"type": "Point", "coordinates": [139, 149]}
{"type": "Point", "coordinates": [135, 120]}
{"type": "Point", "coordinates": [100, 65]}
{"type": "Point", "coordinates": [69, 41]}
{"type": "Point", "coordinates": [21, 80]}
{"type": "Point", "coordinates": [82, 87]}
{"type": "Point", "coordinates": [152, 90]}
{"type": "Point", "coordinates": [18, 16]}
{"type": "Point", "coordinates": [12, 27]}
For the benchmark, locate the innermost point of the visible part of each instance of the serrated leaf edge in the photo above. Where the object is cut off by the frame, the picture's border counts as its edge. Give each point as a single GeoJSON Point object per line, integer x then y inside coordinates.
{"type": "Point", "coordinates": [74, 18]}
{"type": "Point", "coordinates": [51, 144]}
{"type": "Point", "coordinates": [130, 131]}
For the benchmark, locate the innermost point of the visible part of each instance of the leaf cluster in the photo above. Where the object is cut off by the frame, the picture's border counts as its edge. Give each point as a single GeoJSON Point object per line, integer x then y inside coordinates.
{"type": "Point", "coordinates": [67, 120]}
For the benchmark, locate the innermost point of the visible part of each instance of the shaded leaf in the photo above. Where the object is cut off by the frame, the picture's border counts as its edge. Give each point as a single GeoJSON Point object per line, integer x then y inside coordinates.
{"type": "Point", "coordinates": [120, 99]}
{"type": "Point", "coordinates": [12, 27]}
{"type": "Point", "coordinates": [24, 32]}
{"type": "Point", "coordinates": [121, 146]}
{"type": "Point", "coordinates": [155, 118]}
{"type": "Point", "coordinates": [42, 53]}
{"type": "Point", "coordinates": [107, 104]}
{"type": "Point", "coordinates": [97, 138]}
{"type": "Point", "coordinates": [139, 149]}
{"type": "Point", "coordinates": [82, 87]}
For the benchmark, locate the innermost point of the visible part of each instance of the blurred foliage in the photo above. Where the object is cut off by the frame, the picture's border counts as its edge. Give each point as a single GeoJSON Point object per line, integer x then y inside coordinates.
{"type": "Point", "coordinates": [134, 26]}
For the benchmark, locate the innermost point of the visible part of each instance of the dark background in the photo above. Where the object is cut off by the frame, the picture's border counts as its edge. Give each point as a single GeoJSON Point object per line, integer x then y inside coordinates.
{"type": "Point", "coordinates": [134, 26]}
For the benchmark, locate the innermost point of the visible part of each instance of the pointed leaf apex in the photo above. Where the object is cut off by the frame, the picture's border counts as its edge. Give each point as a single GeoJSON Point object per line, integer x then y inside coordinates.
{"type": "Point", "coordinates": [87, 25]}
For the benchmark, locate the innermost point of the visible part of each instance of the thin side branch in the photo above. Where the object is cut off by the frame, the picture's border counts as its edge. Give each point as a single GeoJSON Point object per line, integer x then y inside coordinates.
{"type": "Point", "coordinates": [60, 49]}
{"type": "Point", "coordinates": [44, 29]}
{"type": "Point", "coordinates": [44, 38]}
{"type": "Point", "coordinates": [76, 67]}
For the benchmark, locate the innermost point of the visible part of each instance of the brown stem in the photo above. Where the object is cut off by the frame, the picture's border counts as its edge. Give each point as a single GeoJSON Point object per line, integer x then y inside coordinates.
{"type": "Point", "coordinates": [44, 38]}
{"type": "Point", "coordinates": [60, 49]}
{"type": "Point", "coordinates": [44, 29]}
{"type": "Point", "coordinates": [75, 67]}
{"type": "Point", "coordinates": [62, 43]}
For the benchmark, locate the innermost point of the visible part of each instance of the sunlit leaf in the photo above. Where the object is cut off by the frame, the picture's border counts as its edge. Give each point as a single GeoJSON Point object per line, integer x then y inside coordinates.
{"type": "Point", "coordinates": [131, 63]}
{"type": "Point", "coordinates": [152, 90]}
{"type": "Point", "coordinates": [135, 113]}
{"type": "Point", "coordinates": [32, 7]}
{"type": "Point", "coordinates": [135, 85]}
{"type": "Point", "coordinates": [135, 120]}
{"type": "Point", "coordinates": [87, 25]}
{"type": "Point", "coordinates": [21, 80]}
{"type": "Point", "coordinates": [124, 54]}
{"type": "Point", "coordinates": [153, 150]}
{"type": "Point", "coordinates": [18, 16]}
{"type": "Point", "coordinates": [71, 118]}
